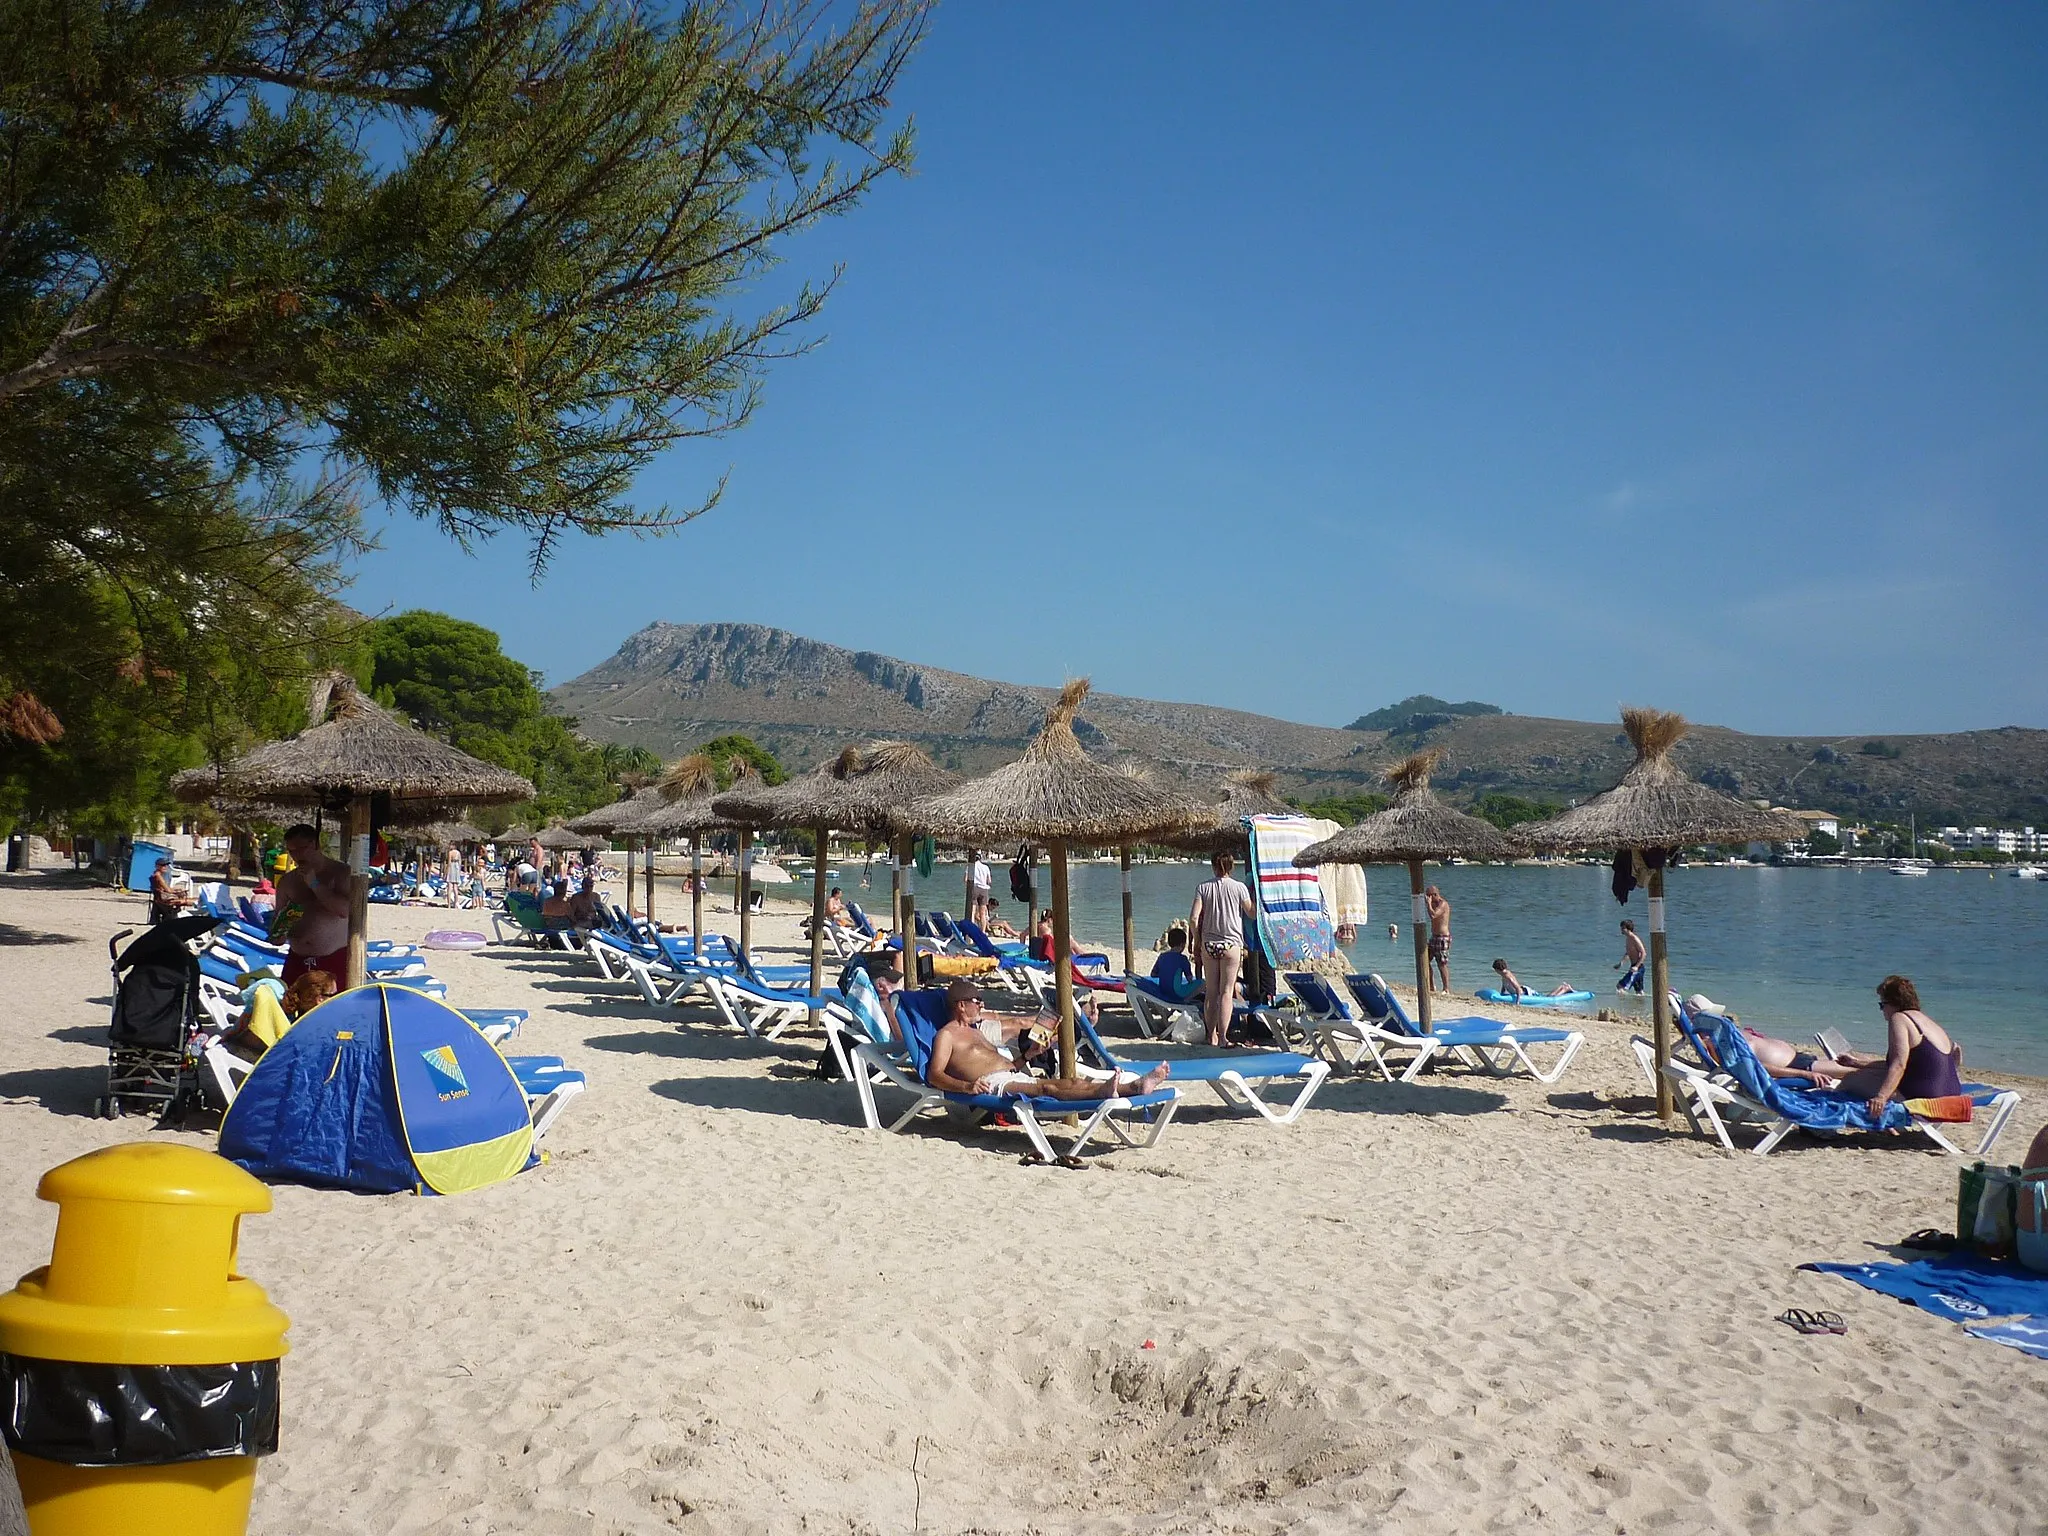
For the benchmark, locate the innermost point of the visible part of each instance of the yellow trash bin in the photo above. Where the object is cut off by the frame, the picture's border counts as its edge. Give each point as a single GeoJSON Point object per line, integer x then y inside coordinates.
{"type": "Point", "coordinates": [138, 1371]}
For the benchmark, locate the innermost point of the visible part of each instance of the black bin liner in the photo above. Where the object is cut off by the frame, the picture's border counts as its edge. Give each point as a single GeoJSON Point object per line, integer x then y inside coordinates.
{"type": "Point", "coordinates": [91, 1415]}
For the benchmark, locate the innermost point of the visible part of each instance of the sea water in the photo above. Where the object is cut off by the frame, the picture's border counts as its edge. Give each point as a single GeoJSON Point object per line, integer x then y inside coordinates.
{"type": "Point", "coordinates": [1792, 950]}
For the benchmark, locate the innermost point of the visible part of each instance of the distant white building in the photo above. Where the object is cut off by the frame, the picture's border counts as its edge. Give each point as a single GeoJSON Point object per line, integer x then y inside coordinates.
{"type": "Point", "coordinates": [1821, 821]}
{"type": "Point", "coordinates": [2007, 840]}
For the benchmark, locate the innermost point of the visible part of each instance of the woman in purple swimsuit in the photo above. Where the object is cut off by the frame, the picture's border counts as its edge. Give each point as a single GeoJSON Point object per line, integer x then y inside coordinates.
{"type": "Point", "coordinates": [1920, 1060]}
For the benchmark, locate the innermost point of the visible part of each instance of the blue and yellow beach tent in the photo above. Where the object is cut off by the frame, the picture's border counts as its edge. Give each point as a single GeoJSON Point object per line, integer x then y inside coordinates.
{"type": "Point", "coordinates": [381, 1089]}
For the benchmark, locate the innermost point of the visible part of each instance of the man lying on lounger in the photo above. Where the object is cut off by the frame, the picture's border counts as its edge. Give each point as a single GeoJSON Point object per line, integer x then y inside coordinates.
{"type": "Point", "coordinates": [964, 1060]}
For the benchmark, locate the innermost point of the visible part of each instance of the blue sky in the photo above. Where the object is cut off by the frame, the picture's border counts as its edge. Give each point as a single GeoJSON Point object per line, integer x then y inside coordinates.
{"type": "Point", "coordinates": [1298, 358]}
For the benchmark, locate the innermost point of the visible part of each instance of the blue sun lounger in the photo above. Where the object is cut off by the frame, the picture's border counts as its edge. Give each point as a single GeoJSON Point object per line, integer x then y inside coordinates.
{"type": "Point", "coordinates": [1381, 1027]}
{"type": "Point", "coordinates": [1231, 1074]}
{"type": "Point", "coordinates": [921, 1014]}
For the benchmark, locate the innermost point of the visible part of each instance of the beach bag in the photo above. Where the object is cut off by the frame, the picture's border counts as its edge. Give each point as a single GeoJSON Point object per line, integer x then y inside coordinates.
{"type": "Point", "coordinates": [2030, 1226]}
{"type": "Point", "coordinates": [1186, 1029]}
{"type": "Point", "coordinates": [1987, 1209]}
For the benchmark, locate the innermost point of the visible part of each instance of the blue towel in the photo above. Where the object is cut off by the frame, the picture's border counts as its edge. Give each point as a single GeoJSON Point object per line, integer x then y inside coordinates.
{"type": "Point", "coordinates": [1960, 1287]}
{"type": "Point", "coordinates": [2026, 1334]}
{"type": "Point", "coordinates": [1809, 1107]}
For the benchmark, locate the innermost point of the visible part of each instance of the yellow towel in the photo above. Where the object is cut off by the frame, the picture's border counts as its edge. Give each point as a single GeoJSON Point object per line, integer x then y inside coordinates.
{"type": "Point", "coordinates": [962, 965]}
{"type": "Point", "coordinates": [266, 1020]}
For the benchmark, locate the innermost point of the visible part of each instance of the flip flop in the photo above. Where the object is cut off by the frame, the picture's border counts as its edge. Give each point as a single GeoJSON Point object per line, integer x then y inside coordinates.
{"type": "Point", "coordinates": [1801, 1321]}
{"type": "Point", "coordinates": [1933, 1239]}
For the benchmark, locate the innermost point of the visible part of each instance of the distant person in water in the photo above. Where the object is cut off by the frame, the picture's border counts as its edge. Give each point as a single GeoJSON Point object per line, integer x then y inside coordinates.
{"type": "Point", "coordinates": [1511, 984]}
{"type": "Point", "coordinates": [1439, 910]}
{"type": "Point", "coordinates": [1393, 933]}
{"type": "Point", "coordinates": [1633, 956]}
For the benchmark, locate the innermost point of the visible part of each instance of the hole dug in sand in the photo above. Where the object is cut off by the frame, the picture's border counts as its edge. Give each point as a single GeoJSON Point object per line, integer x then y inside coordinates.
{"type": "Point", "coordinates": [1125, 1431]}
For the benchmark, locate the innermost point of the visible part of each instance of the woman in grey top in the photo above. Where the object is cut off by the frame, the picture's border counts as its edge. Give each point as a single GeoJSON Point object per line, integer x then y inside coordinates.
{"type": "Point", "coordinates": [1217, 920]}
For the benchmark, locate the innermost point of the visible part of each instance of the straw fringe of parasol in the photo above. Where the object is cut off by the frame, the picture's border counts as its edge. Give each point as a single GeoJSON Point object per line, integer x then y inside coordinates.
{"type": "Point", "coordinates": [557, 837]}
{"type": "Point", "coordinates": [1656, 806]}
{"type": "Point", "coordinates": [445, 833]}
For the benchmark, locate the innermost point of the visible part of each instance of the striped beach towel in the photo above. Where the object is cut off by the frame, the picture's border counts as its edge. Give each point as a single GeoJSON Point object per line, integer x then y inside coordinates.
{"type": "Point", "coordinates": [1293, 923]}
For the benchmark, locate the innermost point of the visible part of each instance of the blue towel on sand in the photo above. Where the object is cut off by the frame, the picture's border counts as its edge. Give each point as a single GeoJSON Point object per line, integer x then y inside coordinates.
{"type": "Point", "coordinates": [2029, 1335]}
{"type": "Point", "coordinates": [1960, 1287]}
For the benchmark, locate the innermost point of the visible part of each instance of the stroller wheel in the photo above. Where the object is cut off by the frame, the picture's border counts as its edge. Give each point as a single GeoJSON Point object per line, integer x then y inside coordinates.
{"type": "Point", "coordinates": [107, 1108]}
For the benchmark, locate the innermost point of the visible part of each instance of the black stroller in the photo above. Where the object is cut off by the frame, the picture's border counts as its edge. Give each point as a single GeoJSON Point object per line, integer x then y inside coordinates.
{"type": "Point", "coordinates": [156, 1013]}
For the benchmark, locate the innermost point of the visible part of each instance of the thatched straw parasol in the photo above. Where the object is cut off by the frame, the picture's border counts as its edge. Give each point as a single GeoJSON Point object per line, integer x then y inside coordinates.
{"type": "Point", "coordinates": [356, 750]}
{"type": "Point", "coordinates": [1656, 810]}
{"type": "Point", "coordinates": [1246, 792]}
{"type": "Point", "coordinates": [619, 819]}
{"type": "Point", "coordinates": [1416, 828]}
{"type": "Point", "coordinates": [1055, 794]}
{"type": "Point", "coordinates": [447, 833]}
{"type": "Point", "coordinates": [684, 805]}
{"type": "Point", "coordinates": [890, 776]}
{"type": "Point", "coordinates": [557, 837]}
{"type": "Point", "coordinates": [857, 792]}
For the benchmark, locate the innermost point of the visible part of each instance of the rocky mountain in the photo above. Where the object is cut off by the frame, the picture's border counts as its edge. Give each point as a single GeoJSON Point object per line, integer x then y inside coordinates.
{"type": "Point", "coordinates": [671, 686]}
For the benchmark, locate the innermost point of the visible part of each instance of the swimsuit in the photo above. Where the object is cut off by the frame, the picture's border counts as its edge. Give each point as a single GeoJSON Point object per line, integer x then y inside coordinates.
{"type": "Point", "coordinates": [1930, 1072]}
{"type": "Point", "coordinates": [1440, 946]}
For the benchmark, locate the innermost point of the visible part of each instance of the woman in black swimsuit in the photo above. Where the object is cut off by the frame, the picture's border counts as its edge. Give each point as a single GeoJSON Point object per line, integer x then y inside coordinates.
{"type": "Point", "coordinates": [1921, 1061]}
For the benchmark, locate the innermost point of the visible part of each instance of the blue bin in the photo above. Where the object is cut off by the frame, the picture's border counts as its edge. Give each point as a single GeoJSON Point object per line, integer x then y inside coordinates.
{"type": "Point", "coordinates": [143, 859]}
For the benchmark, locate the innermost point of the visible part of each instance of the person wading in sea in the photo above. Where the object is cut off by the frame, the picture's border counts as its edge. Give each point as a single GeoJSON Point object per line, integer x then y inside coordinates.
{"type": "Point", "coordinates": [1439, 935]}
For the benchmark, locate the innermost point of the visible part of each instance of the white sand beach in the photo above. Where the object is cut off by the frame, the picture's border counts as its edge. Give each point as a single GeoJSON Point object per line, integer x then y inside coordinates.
{"type": "Point", "coordinates": [723, 1306]}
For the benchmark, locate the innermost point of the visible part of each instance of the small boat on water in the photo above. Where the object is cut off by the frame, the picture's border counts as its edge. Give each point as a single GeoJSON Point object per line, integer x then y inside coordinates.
{"type": "Point", "coordinates": [1908, 867]}
{"type": "Point", "coordinates": [2030, 872]}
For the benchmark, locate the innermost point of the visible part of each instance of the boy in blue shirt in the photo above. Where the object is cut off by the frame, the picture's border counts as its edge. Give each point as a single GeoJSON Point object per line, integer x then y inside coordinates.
{"type": "Point", "coordinates": [1173, 971]}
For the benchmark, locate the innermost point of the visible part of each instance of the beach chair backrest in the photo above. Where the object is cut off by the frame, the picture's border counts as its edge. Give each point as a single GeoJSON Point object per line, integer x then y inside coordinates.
{"type": "Point", "coordinates": [1380, 1005]}
{"type": "Point", "coordinates": [922, 1013]}
{"type": "Point", "coordinates": [861, 925]}
{"type": "Point", "coordinates": [977, 939]}
{"type": "Point", "coordinates": [1317, 995]}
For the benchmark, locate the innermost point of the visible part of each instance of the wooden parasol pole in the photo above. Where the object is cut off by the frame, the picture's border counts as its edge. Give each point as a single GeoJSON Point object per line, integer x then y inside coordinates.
{"type": "Point", "coordinates": [818, 917]}
{"type": "Point", "coordinates": [1063, 957]}
{"type": "Point", "coordinates": [908, 926]}
{"type": "Point", "coordinates": [1660, 986]}
{"type": "Point", "coordinates": [648, 856]}
{"type": "Point", "coordinates": [358, 855]}
{"type": "Point", "coordinates": [1130, 938]}
{"type": "Point", "coordinates": [899, 881]}
{"type": "Point", "coordinates": [1418, 919]}
{"type": "Point", "coordinates": [632, 865]}
{"type": "Point", "coordinates": [697, 894]}
{"type": "Point", "coordinates": [743, 892]}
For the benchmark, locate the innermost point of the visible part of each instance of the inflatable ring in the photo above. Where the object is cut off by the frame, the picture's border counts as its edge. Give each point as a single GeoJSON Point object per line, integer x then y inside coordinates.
{"type": "Point", "coordinates": [453, 938]}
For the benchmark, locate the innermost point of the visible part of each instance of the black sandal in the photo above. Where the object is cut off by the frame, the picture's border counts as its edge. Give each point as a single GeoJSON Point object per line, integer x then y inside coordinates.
{"type": "Point", "coordinates": [1802, 1321]}
{"type": "Point", "coordinates": [1932, 1240]}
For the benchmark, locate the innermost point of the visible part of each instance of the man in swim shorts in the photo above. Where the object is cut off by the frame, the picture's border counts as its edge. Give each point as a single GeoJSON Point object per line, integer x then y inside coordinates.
{"type": "Point", "coordinates": [964, 1061]}
{"type": "Point", "coordinates": [1634, 959]}
{"type": "Point", "coordinates": [1439, 935]}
